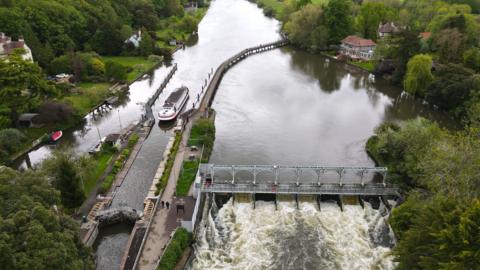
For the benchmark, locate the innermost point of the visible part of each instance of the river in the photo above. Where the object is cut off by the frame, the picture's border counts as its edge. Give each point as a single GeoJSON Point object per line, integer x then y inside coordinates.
{"type": "Point", "coordinates": [280, 107]}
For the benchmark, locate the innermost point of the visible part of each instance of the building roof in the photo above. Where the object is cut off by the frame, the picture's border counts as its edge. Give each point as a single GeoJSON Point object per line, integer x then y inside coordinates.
{"type": "Point", "coordinates": [358, 41]}
{"type": "Point", "coordinates": [387, 28]}
{"type": "Point", "coordinates": [27, 116]}
{"type": "Point", "coordinates": [112, 138]}
{"type": "Point", "coordinates": [425, 35]}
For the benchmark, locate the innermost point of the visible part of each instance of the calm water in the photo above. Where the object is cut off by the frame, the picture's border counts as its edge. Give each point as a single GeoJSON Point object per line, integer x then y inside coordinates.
{"type": "Point", "coordinates": [290, 107]}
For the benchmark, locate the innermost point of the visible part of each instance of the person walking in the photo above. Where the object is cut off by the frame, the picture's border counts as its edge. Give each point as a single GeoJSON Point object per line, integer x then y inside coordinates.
{"type": "Point", "coordinates": [162, 204]}
{"type": "Point", "coordinates": [168, 205]}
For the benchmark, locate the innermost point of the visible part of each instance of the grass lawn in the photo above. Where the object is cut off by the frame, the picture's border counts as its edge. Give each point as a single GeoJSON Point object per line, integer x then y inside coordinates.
{"type": "Point", "coordinates": [368, 65]}
{"type": "Point", "coordinates": [138, 64]}
{"type": "Point", "coordinates": [189, 171]}
{"type": "Point", "coordinates": [102, 162]}
{"type": "Point", "coordinates": [89, 95]}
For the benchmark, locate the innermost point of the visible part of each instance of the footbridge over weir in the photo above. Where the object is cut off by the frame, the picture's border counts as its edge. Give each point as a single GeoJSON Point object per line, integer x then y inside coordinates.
{"type": "Point", "coordinates": [297, 180]}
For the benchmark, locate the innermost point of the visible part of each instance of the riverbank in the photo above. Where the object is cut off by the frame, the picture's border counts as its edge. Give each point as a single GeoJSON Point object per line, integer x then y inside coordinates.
{"type": "Point", "coordinates": [85, 97]}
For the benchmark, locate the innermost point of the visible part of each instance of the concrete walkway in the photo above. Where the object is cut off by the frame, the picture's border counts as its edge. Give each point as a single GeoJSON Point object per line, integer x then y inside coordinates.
{"type": "Point", "coordinates": [164, 221]}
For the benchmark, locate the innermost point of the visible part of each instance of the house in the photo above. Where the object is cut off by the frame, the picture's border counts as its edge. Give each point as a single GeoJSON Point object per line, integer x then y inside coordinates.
{"type": "Point", "coordinates": [357, 48]}
{"type": "Point", "coordinates": [387, 29]}
{"type": "Point", "coordinates": [135, 39]}
{"type": "Point", "coordinates": [424, 36]}
{"type": "Point", "coordinates": [7, 46]}
{"type": "Point", "coordinates": [191, 6]}
{"type": "Point", "coordinates": [28, 120]}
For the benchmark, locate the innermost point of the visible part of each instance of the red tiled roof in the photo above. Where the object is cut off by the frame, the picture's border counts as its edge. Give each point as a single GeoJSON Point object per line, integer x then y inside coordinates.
{"type": "Point", "coordinates": [425, 35]}
{"type": "Point", "coordinates": [9, 47]}
{"type": "Point", "coordinates": [358, 41]}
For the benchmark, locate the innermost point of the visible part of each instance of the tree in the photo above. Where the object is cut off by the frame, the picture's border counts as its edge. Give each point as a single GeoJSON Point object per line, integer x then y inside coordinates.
{"type": "Point", "coordinates": [370, 16]}
{"type": "Point", "coordinates": [451, 44]}
{"type": "Point", "coordinates": [107, 40]}
{"type": "Point", "coordinates": [404, 46]}
{"type": "Point", "coordinates": [22, 85]}
{"type": "Point", "coordinates": [401, 148]}
{"type": "Point", "coordinates": [144, 15]}
{"type": "Point", "coordinates": [63, 168]}
{"type": "Point", "coordinates": [96, 67]}
{"type": "Point", "coordinates": [471, 59]}
{"type": "Point", "coordinates": [419, 74]}
{"type": "Point", "coordinates": [147, 44]}
{"type": "Point", "coordinates": [304, 27]}
{"type": "Point", "coordinates": [338, 20]}
{"type": "Point", "coordinates": [34, 234]}
{"type": "Point", "coordinates": [10, 142]}
{"type": "Point", "coordinates": [452, 89]}
{"type": "Point", "coordinates": [11, 22]}
{"type": "Point", "coordinates": [115, 71]}
{"type": "Point", "coordinates": [443, 235]}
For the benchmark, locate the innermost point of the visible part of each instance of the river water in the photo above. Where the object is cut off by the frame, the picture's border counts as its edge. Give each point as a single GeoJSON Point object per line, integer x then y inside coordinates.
{"type": "Point", "coordinates": [280, 107]}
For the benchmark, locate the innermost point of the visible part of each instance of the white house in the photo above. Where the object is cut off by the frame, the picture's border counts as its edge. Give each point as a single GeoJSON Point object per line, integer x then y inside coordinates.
{"type": "Point", "coordinates": [135, 39]}
{"type": "Point", "coordinates": [387, 29]}
{"type": "Point", "coordinates": [357, 48]}
{"type": "Point", "coordinates": [7, 46]}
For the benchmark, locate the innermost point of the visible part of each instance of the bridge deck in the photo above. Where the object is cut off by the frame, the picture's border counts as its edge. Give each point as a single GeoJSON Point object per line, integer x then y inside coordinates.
{"type": "Point", "coordinates": [225, 179]}
{"type": "Point", "coordinates": [345, 189]}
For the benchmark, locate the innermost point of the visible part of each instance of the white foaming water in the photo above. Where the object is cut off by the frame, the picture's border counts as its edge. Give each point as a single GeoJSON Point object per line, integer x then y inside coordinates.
{"type": "Point", "coordinates": [240, 237]}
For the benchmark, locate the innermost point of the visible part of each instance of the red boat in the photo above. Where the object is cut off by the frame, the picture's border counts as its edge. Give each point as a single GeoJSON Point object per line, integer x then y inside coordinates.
{"type": "Point", "coordinates": [55, 136]}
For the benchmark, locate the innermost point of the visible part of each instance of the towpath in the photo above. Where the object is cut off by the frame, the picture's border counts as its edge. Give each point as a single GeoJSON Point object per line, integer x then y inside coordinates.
{"type": "Point", "coordinates": [164, 221]}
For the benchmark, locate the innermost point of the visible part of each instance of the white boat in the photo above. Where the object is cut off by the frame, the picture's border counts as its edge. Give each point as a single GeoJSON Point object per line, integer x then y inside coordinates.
{"type": "Point", "coordinates": [173, 104]}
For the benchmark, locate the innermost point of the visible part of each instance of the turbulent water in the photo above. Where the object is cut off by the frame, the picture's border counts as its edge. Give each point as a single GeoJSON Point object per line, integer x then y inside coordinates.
{"type": "Point", "coordinates": [240, 237]}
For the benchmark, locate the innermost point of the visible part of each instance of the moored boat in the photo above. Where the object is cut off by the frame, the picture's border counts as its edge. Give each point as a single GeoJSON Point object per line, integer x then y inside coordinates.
{"type": "Point", "coordinates": [56, 135]}
{"type": "Point", "coordinates": [173, 104]}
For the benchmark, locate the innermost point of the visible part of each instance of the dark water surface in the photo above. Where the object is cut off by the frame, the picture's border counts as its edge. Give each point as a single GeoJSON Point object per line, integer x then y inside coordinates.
{"type": "Point", "coordinates": [290, 107]}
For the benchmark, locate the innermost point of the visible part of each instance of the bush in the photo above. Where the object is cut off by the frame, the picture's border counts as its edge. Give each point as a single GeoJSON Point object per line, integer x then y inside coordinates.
{"type": "Point", "coordinates": [11, 140]}
{"type": "Point", "coordinates": [115, 71]}
{"type": "Point", "coordinates": [181, 240]}
{"type": "Point", "coordinates": [168, 166]}
{"type": "Point", "coordinates": [133, 140]}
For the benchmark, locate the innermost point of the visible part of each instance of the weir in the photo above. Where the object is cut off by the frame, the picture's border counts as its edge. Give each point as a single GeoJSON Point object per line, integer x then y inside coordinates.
{"type": "Point", "coordinates": [296, 180]}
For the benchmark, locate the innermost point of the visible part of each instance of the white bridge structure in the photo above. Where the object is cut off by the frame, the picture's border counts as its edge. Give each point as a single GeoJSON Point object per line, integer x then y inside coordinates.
{"type": "Point", "coordinates": [275, 179]}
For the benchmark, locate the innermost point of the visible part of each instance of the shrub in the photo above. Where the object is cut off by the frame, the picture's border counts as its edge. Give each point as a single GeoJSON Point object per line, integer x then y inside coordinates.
{"type": "Point", "coordinates": [11, 140]}
{"type": "Point", "coordinates": [181, 239]}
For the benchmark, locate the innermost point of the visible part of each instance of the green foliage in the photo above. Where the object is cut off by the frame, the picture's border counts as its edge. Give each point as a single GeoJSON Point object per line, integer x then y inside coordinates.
{"type": "Point", "coordinates": [22, 85]}
{"type": "Point", "coordinates": [471, 59]}
{"type": "Point", "coordinates": [203, 134]}
{"type": "Point", "coordinates": [452, 89]}
{"type": "Point", "coordinates": [419, 74]}
{"type": "Point", "coordinates": [132, 140]}
{"type": "Point", "coordinates": [371, 15]}
{"type": "Point", "coordinates": [338, 19]}
{"type": "Point", "coordinates": [115, 71]}
{"type": "Point", "coordinates": [187, 176]}
{"type": "Point", "coordinates": [305, 28]}
{"type": "Point", "coordinates": [180, 240]}
{"type": "Point", "coordinates": [162, 183]}
{"type": "Point", "coordinates": [33, 234]}
{"type": "Point", "coordinates": [147, 45]}
{"type": "Point", "coordinates": [67, 175]}
{"type": "Point", "coordinates": [401, 148]}
{"type": "Point", "coordinates": [11, 141]}
{"type": "Point", "coordinates": [442, 235]}
{"type": "Point", "coordinates": [403, 46]}
{"type": "Point", "coordinates": [118, 164]}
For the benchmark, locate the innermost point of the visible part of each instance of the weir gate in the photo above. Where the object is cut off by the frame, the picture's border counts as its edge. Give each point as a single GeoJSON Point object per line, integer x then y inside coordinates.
{"type": "Point", "coordinates": [296, 180]}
